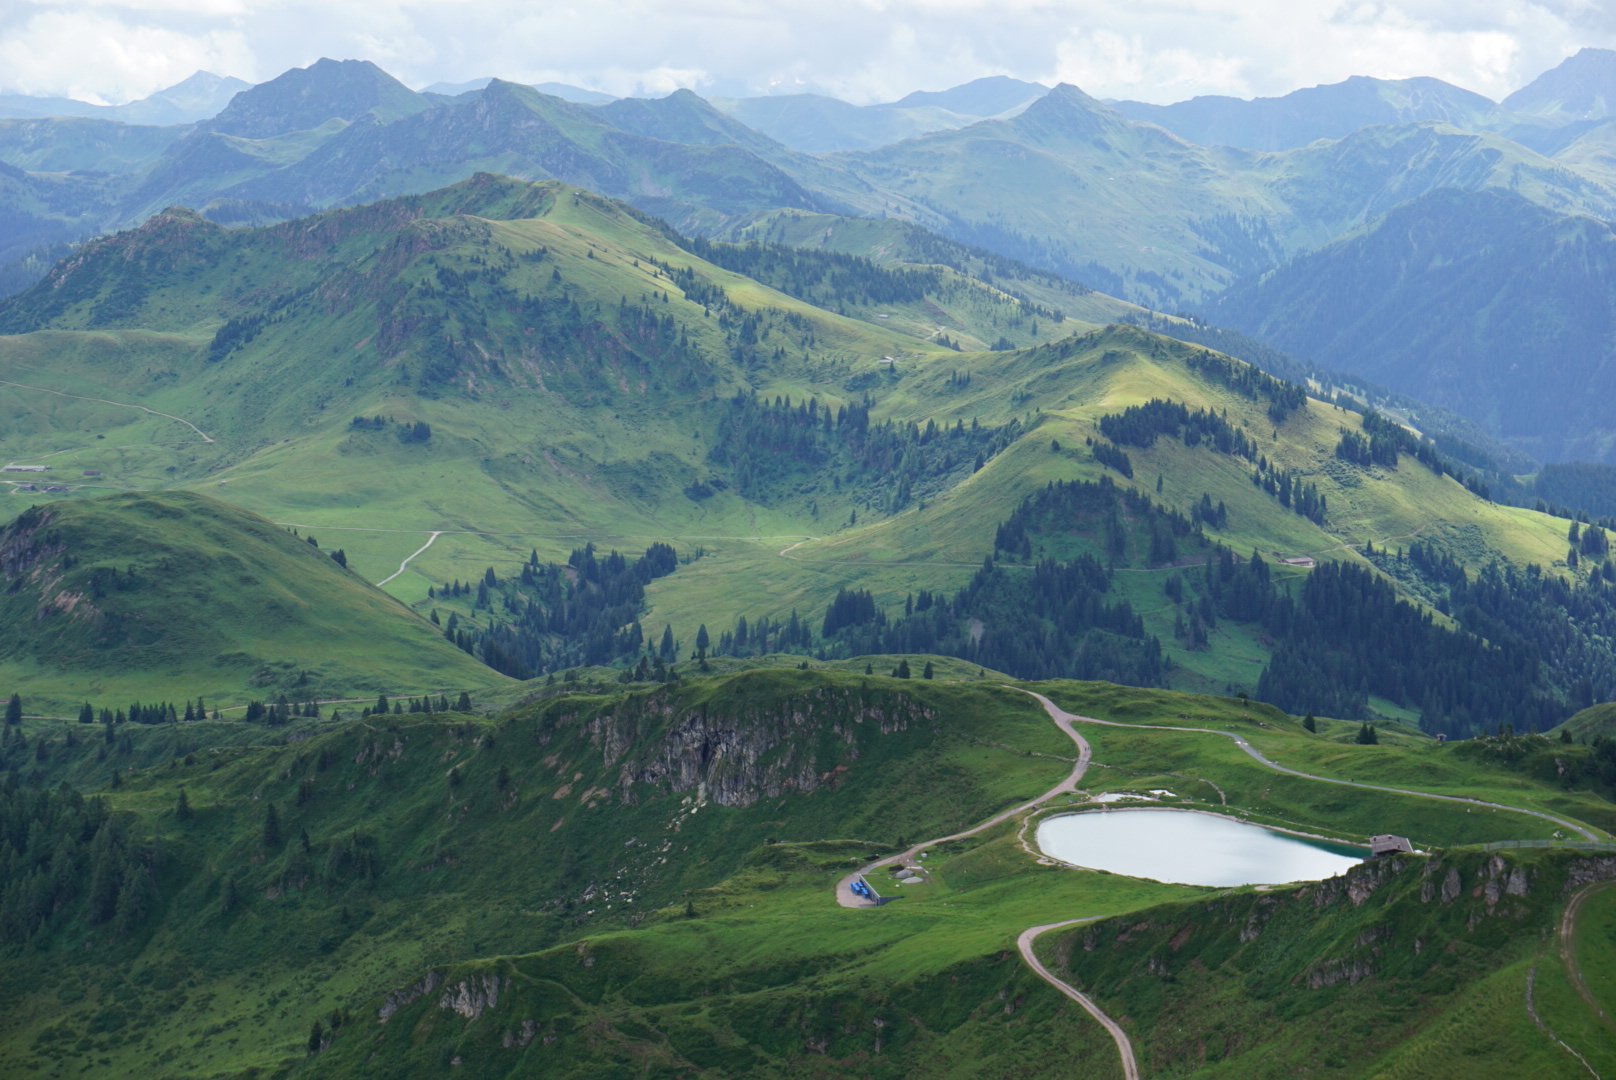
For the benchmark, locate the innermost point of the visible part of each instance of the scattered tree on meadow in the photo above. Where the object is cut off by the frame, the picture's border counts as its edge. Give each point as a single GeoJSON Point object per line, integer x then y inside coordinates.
{"type": "Point", "coordinates": [272, 828]}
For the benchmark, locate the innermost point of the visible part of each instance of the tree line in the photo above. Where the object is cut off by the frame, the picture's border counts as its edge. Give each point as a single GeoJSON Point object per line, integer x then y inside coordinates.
{"type": "Point", "coordinates": [66, 860]}
{"type": "Point", "coordinates": [552, 617]}
{"type": "Point", "coordinates": [774, 449]}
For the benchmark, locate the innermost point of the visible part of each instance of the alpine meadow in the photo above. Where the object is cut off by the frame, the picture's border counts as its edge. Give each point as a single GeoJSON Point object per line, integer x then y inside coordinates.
{"type": "Point", "coordinates": [506, 580]}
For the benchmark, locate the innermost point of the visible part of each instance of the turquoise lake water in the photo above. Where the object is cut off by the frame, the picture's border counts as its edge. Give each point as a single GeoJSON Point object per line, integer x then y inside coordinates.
{"type": "Point", "coordinates": [1190, 848]}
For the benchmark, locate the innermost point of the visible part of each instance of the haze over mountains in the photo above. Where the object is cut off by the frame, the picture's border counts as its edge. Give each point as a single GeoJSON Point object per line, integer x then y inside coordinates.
{"type": "Point", "coordinates": [1167, 206]}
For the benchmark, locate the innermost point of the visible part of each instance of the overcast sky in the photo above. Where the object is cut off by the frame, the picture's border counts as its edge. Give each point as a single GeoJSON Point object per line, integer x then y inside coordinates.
{"type": "Point", "coordinates": [860, 50]}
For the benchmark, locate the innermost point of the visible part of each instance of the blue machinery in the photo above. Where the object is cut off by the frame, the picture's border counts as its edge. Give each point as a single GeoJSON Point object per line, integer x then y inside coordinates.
{"type": "Point", "coordinates": [861, 888]}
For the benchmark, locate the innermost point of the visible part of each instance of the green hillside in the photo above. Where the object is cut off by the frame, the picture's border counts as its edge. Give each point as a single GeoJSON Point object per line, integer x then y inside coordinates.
{"type": "Point", "coordinates": [1446, 317]}
{"type": "Point", "coordinates": [1070, 184]}
{"type": "Point", "coordinates": [1590, 723]}
{"type": "Point", "coordinates": [468, 389]}
{"type": "Point", "coordinates": [171, 596]}
{"type": "Point", "coordinates": [1073, 185]}
{"type": "Point", "coordinates": [641, 884]}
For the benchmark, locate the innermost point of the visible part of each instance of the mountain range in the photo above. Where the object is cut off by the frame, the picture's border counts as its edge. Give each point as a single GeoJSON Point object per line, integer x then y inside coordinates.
{"type": "Point", "coordinates": [1165, 206]}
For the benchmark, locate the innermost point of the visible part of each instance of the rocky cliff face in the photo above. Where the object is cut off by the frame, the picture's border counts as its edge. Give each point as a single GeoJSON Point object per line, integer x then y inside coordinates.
{"type": "Point", "coordinates": [34, 563]}
{"type": "Point", "coordinates": [734, 756]}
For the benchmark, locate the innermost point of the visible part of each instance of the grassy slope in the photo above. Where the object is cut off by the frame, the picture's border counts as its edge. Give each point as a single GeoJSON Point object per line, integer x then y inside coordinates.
{"type": "Point", "coordinates": [533, 451]}
{"type": "Point", "coordinates": [475, 880]}
{"type": "Point", "coordinates": [894, 242]}
{"type": "Point", "coordinates": [1073, 383]}
{"type": "Point", "coordinates": [1591, 722]}
{"type": "Point", "coordinates": [1070, 182]}
{"type": "Point", "coordinates": [1340, 985]}
{"type": "Point", "coordinates": [176, 595]}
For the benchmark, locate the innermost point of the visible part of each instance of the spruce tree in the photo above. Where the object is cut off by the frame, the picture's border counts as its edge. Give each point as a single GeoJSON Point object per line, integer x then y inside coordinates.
{"type": "Point", "coordinates": [381, 708]}
{"type": "Point", "coordinates": [87, 714]}
{"type": "Point", "coordinates": [14, 709]}
{"type": "Point", "coordinates": [902, 670]}
{"type": "Point", "coordinates": [464, 704]}
{"type": "Point", "coordinates": [1367, 735]}
{"type": "Point", "coordinates": [1309, 723]}
{"type": "Point", "coordinates": [926, 674]}
{"type": "Point", "coordinates": [272, 828]}
{"type": "Point", "coordinates": [316, 1038]}
{"type": "Point", "coordinates": [182, 807]}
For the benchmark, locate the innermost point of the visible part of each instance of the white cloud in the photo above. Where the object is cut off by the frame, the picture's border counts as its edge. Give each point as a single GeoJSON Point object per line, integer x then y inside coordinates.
{"type": "Point", "coordinates": [864, 50]}
{"type": "Point", "coordinates": [98, 56]}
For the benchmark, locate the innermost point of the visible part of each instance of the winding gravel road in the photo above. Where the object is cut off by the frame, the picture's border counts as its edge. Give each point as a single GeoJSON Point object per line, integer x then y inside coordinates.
{"type": "Point", "coordinates": [1026, 940]}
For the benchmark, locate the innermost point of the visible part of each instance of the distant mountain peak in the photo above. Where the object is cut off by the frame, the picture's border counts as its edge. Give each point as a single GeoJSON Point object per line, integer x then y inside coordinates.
{"type": "Point", "coordinates": [1581, 87]}
{"type": "Point", "coordinates": [304, 98]}
{"type": "Point", "coordinates": [990, 96]}
{"type": "Point", "coordinates": [1329, 111]}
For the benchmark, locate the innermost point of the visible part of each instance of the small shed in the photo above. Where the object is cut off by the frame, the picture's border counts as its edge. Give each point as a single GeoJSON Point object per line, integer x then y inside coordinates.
{"type": "Point", "coordinates": [1387, 844]}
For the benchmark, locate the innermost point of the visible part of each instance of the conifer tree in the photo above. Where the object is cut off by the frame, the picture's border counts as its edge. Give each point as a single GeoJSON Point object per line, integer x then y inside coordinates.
{"type": "Point", "coordinates": [464, 704]}
{"type": "Point", "coordinates": [381, 708]}
{"type": "Point", "coordinates": [1367, 736]}
{"type": "Point", "coordinates": [14, 709]}
{"type": "Point", "coordinates": [272, 828]}
{"type": "Point", "coordinates": [926, 674]}
{"type": "Point", "coordinates": [1309, 723]}
{"type": "Point", "coordinates": [902, 670]}
{"type": "Point", "coordinates": [182, 807]}
{"type": "Point", "coordinates": [86, 714]}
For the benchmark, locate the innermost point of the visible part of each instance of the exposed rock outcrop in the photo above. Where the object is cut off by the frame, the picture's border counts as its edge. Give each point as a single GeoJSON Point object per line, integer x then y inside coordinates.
{"type": "Point", "coordinates": [400, 998]}
{"type": "Point", "coordinates": [737, 756]}
{"type": "Point", "coordinates": [470, 997]}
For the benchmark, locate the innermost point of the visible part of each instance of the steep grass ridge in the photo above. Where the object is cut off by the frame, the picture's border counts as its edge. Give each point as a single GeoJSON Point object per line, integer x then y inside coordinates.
{"type": "Point", "coordinates": [176, 595]}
